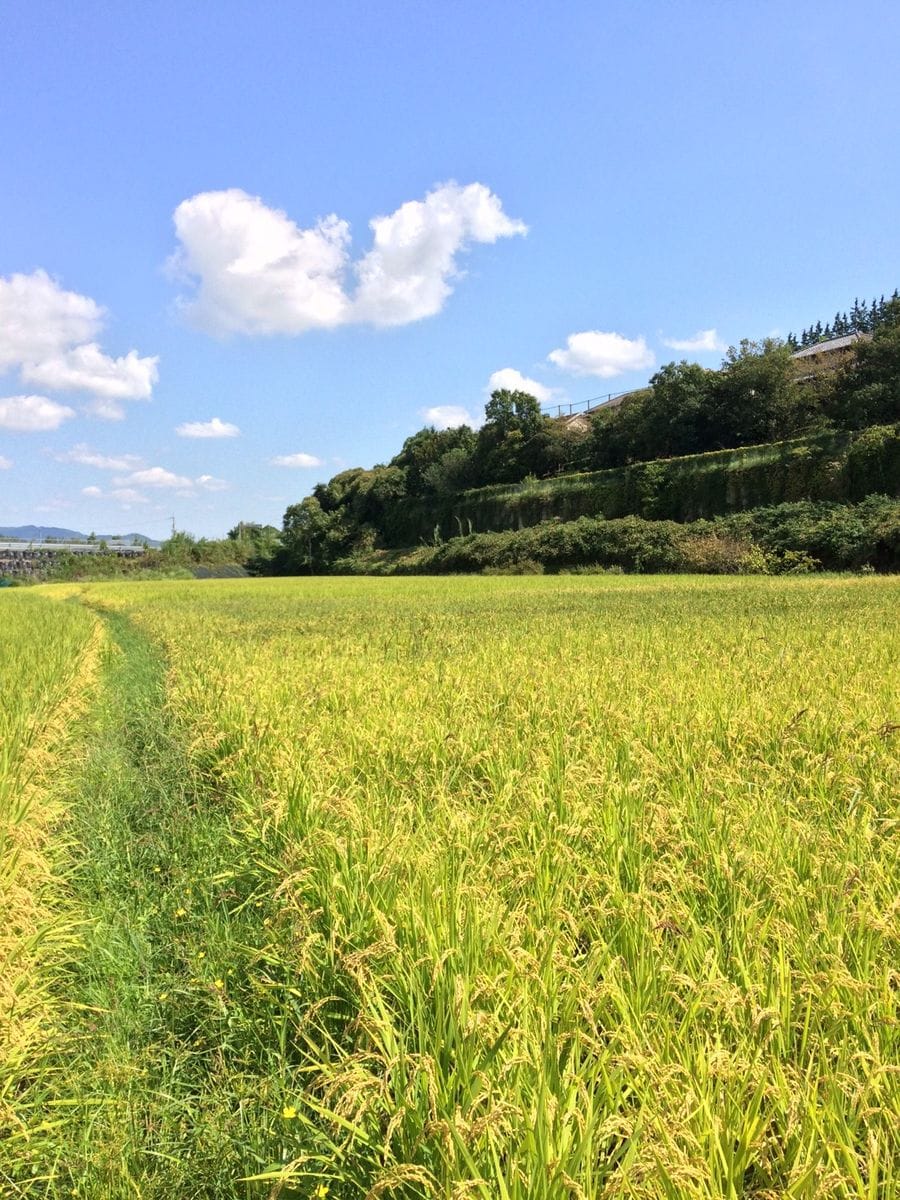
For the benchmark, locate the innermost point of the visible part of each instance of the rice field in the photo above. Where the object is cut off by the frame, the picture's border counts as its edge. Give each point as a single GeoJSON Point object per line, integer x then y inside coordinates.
{"type": "Point", "coordinates": [46, 672]}
{"type": "Point", "coordinates": [573, 886]}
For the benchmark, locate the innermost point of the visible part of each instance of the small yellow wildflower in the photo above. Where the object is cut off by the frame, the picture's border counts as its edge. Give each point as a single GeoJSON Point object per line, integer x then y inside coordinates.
{"type": "Point", "coordinates": [321, 1192]}
{"type": "Point", "coordinates": [219, 983]}
{"type": "Point", "coordinates": [289, 1112]}
{"type": "Point", "coordinates": [163, 996]}
{"type": "Point", "coordinates": [157, 870]}
{"type": "Point", "coordinates": [180, 912]}
{"type": "Point", "coordinates": [202, 954]}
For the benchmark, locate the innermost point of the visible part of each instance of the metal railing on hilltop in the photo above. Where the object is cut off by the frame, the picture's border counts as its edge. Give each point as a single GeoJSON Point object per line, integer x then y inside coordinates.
{"type": "Point", "coordinates": [568, 410]}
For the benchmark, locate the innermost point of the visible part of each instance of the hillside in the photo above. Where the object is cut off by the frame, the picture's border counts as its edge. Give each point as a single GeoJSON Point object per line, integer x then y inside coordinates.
{"type": "Point", "coordinates": [770, 427]}
{"type": "Point", "coordinates": [840, 466]}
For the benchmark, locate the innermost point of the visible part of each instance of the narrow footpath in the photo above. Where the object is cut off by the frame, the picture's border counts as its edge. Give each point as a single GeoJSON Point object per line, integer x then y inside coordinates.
{"type": "Point", "coordinates": [160, 1087]}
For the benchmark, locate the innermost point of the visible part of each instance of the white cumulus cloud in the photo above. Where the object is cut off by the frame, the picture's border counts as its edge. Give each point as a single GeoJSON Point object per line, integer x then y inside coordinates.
{"type": "Point", "coordinates": [207, 429]}
{"type": "Point", "coordinates": [705, 340]}
{"type": "Point", "coordinates": [49, 335]}
{"type": "Point", "coordinates": [5, 463]}
{"type": "Point", "coordinates": [515, 381]}
{"type": "Point", "coordinates": [297, 460]}
{"type": "Point", "coordinates": [87, 369]}
{"type": "Point", "coordinates": [38, 319]}
{"type": "Point", "coordinates": [162, 478]}
{"type": "Point", "coordinates": [257, 272]}
{"type": "Point", "coordinates": [407, 274]}
{"type": "Point", "coordinates": [86, 457]}
{"type": "Point", "coordinates": [448, 416]}
{"type": "Point", "coordinates": [32, 414]}
{"type": "Point", "coordinates": [602, 354]}
{"type": "Point", "coordinates": [155, 477]}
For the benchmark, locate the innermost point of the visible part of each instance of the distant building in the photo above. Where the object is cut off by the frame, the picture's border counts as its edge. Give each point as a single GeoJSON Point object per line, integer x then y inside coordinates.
{"type": "Point", "coordinates": [581, 421]}
{"type": "Point", "coordinates": [818, 349]}
{"type": "Point", "coordinates": [824, 357]}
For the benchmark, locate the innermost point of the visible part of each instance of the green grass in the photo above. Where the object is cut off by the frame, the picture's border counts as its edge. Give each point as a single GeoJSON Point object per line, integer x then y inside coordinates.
{"type": "Point", "coordinates": [156, 1074]}
{"type": "Point", "coordinates": [544, 887]}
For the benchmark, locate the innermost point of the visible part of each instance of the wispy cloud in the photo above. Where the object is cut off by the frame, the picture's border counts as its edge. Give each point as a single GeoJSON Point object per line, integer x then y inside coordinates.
{"type": "Point", "coordinates": [209, 483]}
{"type": "Point", "coordinates": [86, 457]}
{"type": "Point", "coordinates": [297, 460]}
{"type": "Point", "coordinates": [214, 428]}
{"type": "Point", "coordinates": [706, 341]}
{"type": "Point", "coordinates": [125, 496]}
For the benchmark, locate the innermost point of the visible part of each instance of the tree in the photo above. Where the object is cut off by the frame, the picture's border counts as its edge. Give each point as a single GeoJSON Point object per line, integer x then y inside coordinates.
{"type": "Point", "coordinates": [450, 474]}
{"type": "Point", "coordinates": [308, 537]}
{"type": "Point", "coordinates": [756, 397]}
{"type": "Point", "coordinates": [867, 390]}
{"type": "Point", "coordinates": [504, 450]}
{"type": "Point", "coordinates": [618, 433]}
{"type": "Point", "coordinates": [254, 545]}
{"type": "Point", "coordinates": [676, 411]}
{"type": "Point", "coordinates": [513, 411]}
{"type": "Point", "coordinates": [426, 448]}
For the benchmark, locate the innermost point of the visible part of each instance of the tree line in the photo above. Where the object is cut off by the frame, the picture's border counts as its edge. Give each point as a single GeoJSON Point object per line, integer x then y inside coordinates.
{"type": "Point", "coordinates": [862, 318]}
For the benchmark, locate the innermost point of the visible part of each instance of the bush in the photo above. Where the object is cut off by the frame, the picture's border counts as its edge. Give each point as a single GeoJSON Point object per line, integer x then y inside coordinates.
{"type": "Point", "coordinates": [723, 554]}
{"type": "Point", "coordinates": [840, 537]}
{"type": "Point", "coordinates": [787, 538]}
{"type": "Point", "coordinates": [527, 566]}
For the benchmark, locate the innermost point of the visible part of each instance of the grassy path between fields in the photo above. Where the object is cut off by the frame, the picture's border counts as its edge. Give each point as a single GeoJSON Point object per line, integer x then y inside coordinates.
{"type": "Point", "coordinates": [161, 1074]}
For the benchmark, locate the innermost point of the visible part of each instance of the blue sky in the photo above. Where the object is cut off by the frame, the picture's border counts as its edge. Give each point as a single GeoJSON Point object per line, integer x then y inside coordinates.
{"type": "Point", "coordinates": [557, 190]}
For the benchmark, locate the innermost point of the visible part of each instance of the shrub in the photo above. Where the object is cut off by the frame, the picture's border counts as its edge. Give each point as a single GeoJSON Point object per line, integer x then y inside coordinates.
{"type": "Point", "coordinates": [722, 554]}
{"type": "Point", "coordinates": [784, 538]}
{"type": "Point", "coordinates": [527, 566]}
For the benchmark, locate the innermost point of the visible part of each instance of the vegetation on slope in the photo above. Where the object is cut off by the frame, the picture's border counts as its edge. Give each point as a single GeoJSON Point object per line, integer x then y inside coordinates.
{"type": "Point", "coordinates": [840, 466]}
{"type": "Point", "coordinates": [785, 538]}
{"type": "Point", "coordinates": [695, 443]}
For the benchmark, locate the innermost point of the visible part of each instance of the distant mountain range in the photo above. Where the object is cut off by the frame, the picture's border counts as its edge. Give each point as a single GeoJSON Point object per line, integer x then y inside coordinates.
{"type": "Point", "coordinates": [43, 533]}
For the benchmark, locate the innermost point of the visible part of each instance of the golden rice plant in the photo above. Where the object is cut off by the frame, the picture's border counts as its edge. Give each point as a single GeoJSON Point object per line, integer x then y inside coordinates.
{"type": "Point", "coordinates": [48, 657]}
{"type": "Point", "coordinates": [578, 886]}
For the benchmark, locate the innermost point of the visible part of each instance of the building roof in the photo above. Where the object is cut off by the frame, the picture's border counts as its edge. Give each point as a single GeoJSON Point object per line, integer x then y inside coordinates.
{"type": "Point", "coordinates": [838, 343]}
